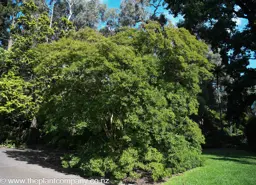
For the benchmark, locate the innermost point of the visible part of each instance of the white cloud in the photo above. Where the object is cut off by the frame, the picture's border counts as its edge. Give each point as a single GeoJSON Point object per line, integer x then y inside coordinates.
{"type": "Point", "coordinates": [238, 21]}
{"type": "Point", "coordinates": [237, 8]}
{"type": "Point", "coordinates": [173, 19]}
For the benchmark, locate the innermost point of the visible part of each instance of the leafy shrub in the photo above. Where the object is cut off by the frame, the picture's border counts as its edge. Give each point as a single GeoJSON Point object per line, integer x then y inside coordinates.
{"type": "Point", "coordinates": [8, 144]}
{"type": "Point", "coordinates": [124, 101]}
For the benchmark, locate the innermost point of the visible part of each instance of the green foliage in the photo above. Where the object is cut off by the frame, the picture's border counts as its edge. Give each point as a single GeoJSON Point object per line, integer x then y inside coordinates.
{"type": "Point", "coordinates": [13, 95]}
{"type": "Point", "coordinates": [8, 144]}
{"type": "Point", "coordinates": [20, 96]}
{"type": "Point", "coordinates": [124, 102]}
{"type": "Point", "coordinates": [16, 107]}
{"type": "Point", "coordinates": [30, 30]}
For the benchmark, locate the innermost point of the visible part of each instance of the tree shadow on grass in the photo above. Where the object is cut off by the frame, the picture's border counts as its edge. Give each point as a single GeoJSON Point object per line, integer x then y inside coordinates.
{"type": "Point", "coordinates": [241, 161]}
{"type": "Point", "coordinates": [238, 156]}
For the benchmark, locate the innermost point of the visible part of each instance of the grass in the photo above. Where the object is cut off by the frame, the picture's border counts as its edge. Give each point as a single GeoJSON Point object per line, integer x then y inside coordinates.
{"type": "Point", "coordinates": [222, 167]}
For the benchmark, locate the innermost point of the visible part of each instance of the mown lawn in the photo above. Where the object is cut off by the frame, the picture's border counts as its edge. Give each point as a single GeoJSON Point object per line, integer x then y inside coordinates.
{"type": "Point", "coordinates": [222, 167]}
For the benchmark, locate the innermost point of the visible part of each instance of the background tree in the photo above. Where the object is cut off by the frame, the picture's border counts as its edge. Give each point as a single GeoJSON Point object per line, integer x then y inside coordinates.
{"type": "Point", "coordinates": [215, 22]}
{"type": "Point", "coordinates": [19, 99]}
{"type": "Point", "coordinates": [9, 12]}
{"type": "Point", "coordinates": [133, 12]}
{"type": "Point", "coordinates": [82, 13]}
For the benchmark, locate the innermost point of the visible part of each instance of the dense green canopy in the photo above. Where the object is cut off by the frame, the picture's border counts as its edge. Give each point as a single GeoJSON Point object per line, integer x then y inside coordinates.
{"type": "Point", "coordinates": [124, 101]}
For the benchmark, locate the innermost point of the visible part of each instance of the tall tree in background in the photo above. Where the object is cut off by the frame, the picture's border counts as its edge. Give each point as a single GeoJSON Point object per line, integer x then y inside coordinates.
{"type": "Point", "coordinates": [89, 13]}
{"type": "Point", "coordinates": [133, 12]}
{"type": "Point", "coordinates": [82, 13]}
{"type": "Point", "coordinates": [216, 23]}
{"type": "Point", "coordinates": [9, 12]}
{"type": "Point", "coordinates": [19, 99]}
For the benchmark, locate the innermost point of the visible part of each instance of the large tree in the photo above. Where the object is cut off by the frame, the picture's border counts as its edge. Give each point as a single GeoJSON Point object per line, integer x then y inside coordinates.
{"type": "Point", "coordinates": [83, 13]}
{"type": "Point", "coordinates": [216, 23]}
{"type": "Point", "coordinates": [8, 16]}
{"type": "Point", "coordinates": [19, 99]}
{"type": "Point", "coordinates": [124, 102]}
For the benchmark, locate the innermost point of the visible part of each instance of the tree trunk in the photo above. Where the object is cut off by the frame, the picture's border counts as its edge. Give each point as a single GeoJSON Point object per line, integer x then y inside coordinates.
{"type": "Point", "coordinates": [51, 16]}
{"type": "Point", "coordinates": [219, 99]}
{"type": "Point", "coordinates": [10, 40]}
{"type": "Point", "coordinates": [34, 123]}
{"type": "Point", "coordinates": [10, 43]}
{"type": "Point", "coordinates": [70, 4]}
{"type": "Point", "coordinates": [34, 134]}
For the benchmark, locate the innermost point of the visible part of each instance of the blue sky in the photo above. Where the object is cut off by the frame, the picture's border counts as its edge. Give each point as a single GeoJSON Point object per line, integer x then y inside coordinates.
{"type": "Point", "coordinates": [112, 3]}
{"type": "Point", "coordinates": [241, 23]}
